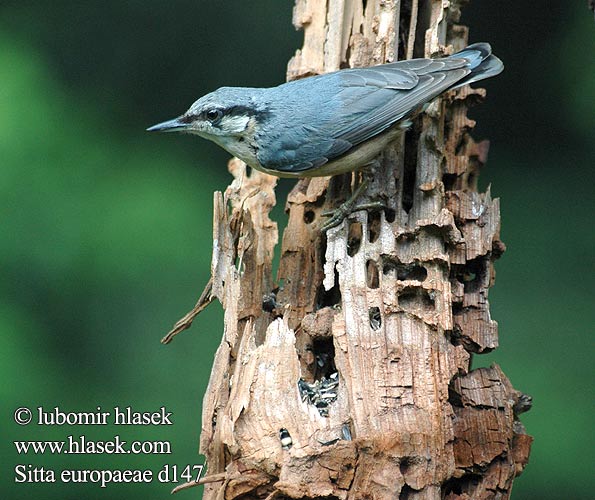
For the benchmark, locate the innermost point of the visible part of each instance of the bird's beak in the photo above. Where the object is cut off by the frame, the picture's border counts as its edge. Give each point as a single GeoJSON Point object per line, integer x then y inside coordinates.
{"type": "Point", "coordinates": [174, 125]}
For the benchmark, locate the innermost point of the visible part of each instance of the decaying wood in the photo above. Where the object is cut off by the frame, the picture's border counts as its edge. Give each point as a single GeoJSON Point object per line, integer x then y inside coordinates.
{"type": "Point", "coordinates": [349, 375]}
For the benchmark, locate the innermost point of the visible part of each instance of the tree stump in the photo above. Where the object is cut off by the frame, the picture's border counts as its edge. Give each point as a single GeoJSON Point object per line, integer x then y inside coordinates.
{"type": "Point", "coordinates": [349, 375]}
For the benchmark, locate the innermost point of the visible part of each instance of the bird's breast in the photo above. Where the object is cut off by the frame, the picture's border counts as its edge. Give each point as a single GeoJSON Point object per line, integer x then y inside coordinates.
{"type": "Point", "coordinates": [242, 145]}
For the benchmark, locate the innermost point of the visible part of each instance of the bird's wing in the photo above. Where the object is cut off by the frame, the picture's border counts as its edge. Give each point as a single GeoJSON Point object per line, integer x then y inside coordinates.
{"type": "Point", "coordinates": [375, 111]}
{"type": "Point", "coordinates": [356, 105]}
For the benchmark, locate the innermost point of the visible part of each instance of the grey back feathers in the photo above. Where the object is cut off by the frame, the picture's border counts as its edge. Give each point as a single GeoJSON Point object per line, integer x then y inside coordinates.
{"type": "Point", "coordinates": [315, 120]}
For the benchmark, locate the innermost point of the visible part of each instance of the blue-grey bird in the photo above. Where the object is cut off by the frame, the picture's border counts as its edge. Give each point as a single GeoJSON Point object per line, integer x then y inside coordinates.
{"type": "Point", "coordinates": [332, 123]}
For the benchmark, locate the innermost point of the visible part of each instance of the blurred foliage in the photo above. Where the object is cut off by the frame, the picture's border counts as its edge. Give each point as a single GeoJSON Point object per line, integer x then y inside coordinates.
{"type": "Point", "coordinates": [107, 230]}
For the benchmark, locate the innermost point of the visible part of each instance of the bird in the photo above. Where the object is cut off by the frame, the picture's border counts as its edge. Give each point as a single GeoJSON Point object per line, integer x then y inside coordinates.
{"type": "Point", "coordinates": [332, 123]}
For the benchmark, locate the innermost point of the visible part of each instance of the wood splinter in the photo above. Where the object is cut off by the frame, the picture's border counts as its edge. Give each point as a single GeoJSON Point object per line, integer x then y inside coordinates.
{"type": "Point", "coordinates": [207, 296]}
{"type": "Point", "coordinates": [215, 478]}
{"type": "Point", "coordinates": [184, 323]}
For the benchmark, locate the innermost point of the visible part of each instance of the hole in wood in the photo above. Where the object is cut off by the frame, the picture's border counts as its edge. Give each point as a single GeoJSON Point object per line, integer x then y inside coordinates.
{"type": "Point", "coordinates": [269, 301]}
{"type": "Point", "coordinates": [404, 29]}
{"type": "Point", "coordinates": [409, 169]}
{"type": "Point", "coordinates": [354, 238]}
{"type": "Point", "coordinates": [411, 272]}
{"type": "Point", "coordinates": [389, 267]}
{"type": "Point", "coordinates": [390, 215]}
{"type": "Point", "coordinates": [460, 486]}
{"type": "Point", "coordinates": [214, 419]}
{"type": "Point", "coordinates": [403, 272]}
{"type": "Point", "coordinates": [372, 279]}
{"type": "Point", "coordinates": [322, 390]}
{"type": "Point", "coordinates": [375, 318]}
{"type": "Point", "coordinates": [455, 335]}
{"type": "Point", "coordinates": [329, 298]}
{"type": "Point", "coordinates": [324, 357]}
{"type": "Point", "coordinates": [416, 298]}
{"type": "Point", "coordinates": [405, 465]}
{"type": "Point", "coordinates": [452, 486]}
{"type": "Point", "coordinates": [407, 492]}
{"type": "Point", "coordinates": [454, 398]}
{"type": "Point", "coordinates": [449, 181]}
{"type": "Point", "coordinates": [285, 438]}
{"type": "Point", "coordinates": [320, 393]}
{"type": "Point", "coordinates": [473, 275]}
{"type": "Point", "coordinates": [373, 225]}
{"type": "Point", "coordinates": [309, 216]}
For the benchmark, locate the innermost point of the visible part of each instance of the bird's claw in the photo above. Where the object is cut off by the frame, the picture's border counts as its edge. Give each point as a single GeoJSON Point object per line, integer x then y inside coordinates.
{"type": "Point", "coordinates": [339, 214]}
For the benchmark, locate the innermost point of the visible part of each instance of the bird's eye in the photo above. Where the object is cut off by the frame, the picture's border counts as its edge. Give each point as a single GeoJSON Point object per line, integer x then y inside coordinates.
{"type": "Point", "coordinates": [214, 114]}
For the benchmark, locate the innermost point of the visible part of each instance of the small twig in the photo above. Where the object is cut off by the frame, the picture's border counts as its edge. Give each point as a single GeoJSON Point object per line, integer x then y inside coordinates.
{"type": "Point", "coordinates": [412, 26]}
{"type": "Point", "coordinates": [215, 478]}
{"type": "Point", "coordinates": [273, 494]}
{"type": "Point", "coordinates": [205, 299]}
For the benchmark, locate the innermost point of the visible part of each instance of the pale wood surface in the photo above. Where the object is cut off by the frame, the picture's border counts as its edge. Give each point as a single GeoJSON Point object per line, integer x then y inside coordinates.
{"type": "Point", "coordinates": [413, 303]}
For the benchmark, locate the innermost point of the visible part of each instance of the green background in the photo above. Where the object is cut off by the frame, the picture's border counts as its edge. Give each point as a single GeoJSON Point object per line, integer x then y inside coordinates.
{"type": "Point", "coordinates": [106, 230]}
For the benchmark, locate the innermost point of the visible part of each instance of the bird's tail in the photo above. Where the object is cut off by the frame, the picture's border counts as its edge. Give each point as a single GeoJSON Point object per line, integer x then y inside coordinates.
{"type": "Point", "coordinates": [482, 62]}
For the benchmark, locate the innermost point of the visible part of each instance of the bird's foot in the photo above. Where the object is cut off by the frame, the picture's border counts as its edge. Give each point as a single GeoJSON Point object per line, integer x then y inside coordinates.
{"type": "Point", "coordinates": [339, 214]}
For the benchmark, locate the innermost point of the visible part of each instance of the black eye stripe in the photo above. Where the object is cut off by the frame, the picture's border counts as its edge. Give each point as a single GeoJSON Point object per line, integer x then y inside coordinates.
{"type": "Point", "coordinates": [219, 113]}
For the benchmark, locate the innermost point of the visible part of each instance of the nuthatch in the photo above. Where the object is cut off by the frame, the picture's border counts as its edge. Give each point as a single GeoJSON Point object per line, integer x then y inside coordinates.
{"type": "Point", "coordinates": [332, 123]}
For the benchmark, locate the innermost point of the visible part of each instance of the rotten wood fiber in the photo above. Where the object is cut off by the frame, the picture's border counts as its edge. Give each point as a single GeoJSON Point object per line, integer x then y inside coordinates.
{"type": "Point", "coordinates": [352, 379]}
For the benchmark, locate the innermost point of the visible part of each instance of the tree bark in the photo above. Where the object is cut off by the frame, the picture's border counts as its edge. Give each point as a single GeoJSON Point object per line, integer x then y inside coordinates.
{"type": "Point", "coordinates": [349, 376]}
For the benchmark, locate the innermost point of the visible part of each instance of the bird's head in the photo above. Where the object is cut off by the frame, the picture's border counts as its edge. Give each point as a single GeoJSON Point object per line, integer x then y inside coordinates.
{"type": "Point", "coordinates": [227, 113]}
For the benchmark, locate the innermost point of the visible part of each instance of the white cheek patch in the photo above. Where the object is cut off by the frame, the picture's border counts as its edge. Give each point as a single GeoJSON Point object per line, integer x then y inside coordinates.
{"type": "Point", "coordinates": [234, 124]}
